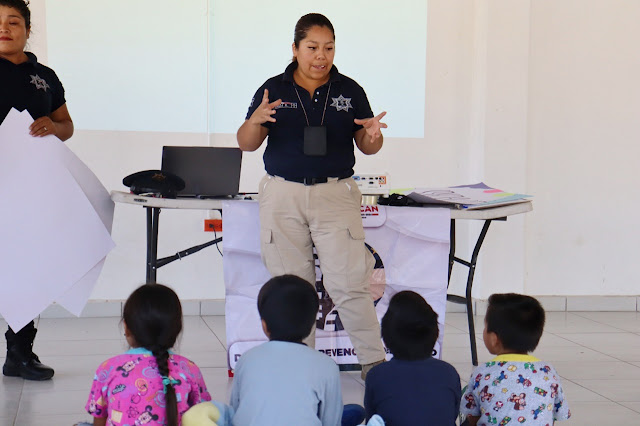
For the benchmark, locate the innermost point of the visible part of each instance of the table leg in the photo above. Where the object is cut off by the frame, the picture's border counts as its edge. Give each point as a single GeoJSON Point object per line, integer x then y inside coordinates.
{"type": "Point", "coordinates": [467, 300]}
{"type": "Point", "coordinates": [153, 217]}
{"type": "Point", "coordinates": [472, 270]}
{"type": "Point", "coordinates": [452, 248]}
{"type": "Point", "coordinates": [153, 263]}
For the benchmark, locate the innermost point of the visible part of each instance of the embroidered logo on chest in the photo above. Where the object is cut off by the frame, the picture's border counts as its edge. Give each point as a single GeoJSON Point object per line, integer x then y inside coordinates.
{"type": "Point", "coordinates": [341, 103]}
{"type": "Point", "coordinates": [39, 82]}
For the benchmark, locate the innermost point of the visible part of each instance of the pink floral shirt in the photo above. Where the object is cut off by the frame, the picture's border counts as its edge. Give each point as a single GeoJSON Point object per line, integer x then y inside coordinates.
{"type": "Point", "coordinates": [127, 389]}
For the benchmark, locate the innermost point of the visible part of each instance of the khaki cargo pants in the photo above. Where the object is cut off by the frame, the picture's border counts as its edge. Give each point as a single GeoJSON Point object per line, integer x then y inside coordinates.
{"type": "Point", "coordinates": [294, 218]}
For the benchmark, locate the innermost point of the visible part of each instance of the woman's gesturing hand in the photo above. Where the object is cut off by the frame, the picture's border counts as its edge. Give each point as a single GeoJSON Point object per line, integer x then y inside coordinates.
{"type": "Point", "coordinates": [265, 111]}
{"type": "Point", "coordinates": [372, 125]}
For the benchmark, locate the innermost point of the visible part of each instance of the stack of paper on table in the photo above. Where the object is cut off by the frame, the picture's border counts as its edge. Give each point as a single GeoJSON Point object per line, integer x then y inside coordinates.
{"type": "Point", "coordinates": [475, 196]}
{"type": "Point", "coordinates": [55, 224]}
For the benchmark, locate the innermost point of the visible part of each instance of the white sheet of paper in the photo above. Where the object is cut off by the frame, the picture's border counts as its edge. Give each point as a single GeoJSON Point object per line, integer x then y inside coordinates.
{"type": "Point", "coordinates": [52, 236]}
{"type": "Point", "coordinates": [75, 299]}
{"type": "Point", "coordinates": [95, 192]}
{"type": "Point", "coordinates": [466, 196]}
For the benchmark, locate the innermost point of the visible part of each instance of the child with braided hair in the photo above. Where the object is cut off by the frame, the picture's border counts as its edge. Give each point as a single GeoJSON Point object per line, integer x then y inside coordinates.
{"type": "Point", "coordinates": [149, 384]}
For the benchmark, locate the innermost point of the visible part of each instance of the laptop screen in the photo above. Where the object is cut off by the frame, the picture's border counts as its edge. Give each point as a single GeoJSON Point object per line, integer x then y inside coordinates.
{"type": "Point", "coordinates": [207, 171]}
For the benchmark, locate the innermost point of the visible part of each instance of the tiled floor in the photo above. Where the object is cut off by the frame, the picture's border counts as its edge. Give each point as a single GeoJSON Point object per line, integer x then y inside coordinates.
{"type": "Point", "coordinates": [596, 353]}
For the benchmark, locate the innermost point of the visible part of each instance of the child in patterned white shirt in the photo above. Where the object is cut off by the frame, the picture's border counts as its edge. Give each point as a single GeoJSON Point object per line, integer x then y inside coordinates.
{"type": "Point", "coordinates": [514, 386]}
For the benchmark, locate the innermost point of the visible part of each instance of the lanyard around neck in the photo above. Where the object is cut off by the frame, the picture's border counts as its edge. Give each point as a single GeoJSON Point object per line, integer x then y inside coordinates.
{"type": "Point", "coordinates": [305, 111]}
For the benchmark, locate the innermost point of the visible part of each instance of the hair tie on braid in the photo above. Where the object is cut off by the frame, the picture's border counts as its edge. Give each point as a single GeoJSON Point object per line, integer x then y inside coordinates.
{"type": "Point", "coordinates": [166, 381]}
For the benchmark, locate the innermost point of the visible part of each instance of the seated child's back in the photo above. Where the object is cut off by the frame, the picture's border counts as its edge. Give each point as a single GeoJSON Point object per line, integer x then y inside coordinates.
{"type": "Point", "coordinates": [413, 387]}
{"type": "Point", "coordinates": [148, 384]}
{"type": "Point", "coordinates": [279, 383]}
{"type": "Point", "coordinates": [284, 382]}
{"type": "Point", "coordinates": [514, 386]}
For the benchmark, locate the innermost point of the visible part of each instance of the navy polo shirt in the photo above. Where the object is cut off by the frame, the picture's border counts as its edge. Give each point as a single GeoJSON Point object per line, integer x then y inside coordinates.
{"type": "Point", "coordinates": [31, 86]}
{"type": "Point", "coordinates": [413, 392]}
{"type": "Point", "coordinates": [284, 154]}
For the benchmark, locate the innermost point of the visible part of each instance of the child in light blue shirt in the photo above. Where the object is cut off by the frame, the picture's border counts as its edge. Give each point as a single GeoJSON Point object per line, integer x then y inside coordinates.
{"type": "Point", "coordinates": [283, 381]}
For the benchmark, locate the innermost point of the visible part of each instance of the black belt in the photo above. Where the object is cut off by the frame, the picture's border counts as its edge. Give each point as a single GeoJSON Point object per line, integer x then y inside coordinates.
{"type": "Point", "coordinates": [307, 181]}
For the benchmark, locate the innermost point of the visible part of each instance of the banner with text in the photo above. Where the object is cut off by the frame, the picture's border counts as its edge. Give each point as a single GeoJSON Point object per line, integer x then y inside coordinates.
{"type": "Point", "coordinates": [411, 249]}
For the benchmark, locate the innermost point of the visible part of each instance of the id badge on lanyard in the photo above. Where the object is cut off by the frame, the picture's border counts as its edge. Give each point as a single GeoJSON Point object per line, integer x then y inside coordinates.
{"type": "Point", "coordinates": [315, 137]}
{"type": "Point", "coordinates": [315, 141]}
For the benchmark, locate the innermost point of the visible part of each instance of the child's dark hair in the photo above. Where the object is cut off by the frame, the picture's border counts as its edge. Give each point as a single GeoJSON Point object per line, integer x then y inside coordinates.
{"type": "Point", "coordinates": [409, 327]}
{"type": "Point", "coordinates": [21, 6]}
{"type": "Point", "coordinates": [288, 305]}
{"type": "Point", "coordinates": [153, 315]}
{"type": "Point", "coordinates": [517, 320]}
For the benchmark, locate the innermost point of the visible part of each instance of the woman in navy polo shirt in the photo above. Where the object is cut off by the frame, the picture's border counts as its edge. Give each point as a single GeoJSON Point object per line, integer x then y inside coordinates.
{"type": "Point", "coordinates": [312, 115]}
{"type": "Point", "coordinates": [27, 84]}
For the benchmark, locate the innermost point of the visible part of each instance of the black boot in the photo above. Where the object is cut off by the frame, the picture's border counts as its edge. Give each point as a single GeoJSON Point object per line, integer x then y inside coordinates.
{"type": "Point", "coordinates": [21, 361]}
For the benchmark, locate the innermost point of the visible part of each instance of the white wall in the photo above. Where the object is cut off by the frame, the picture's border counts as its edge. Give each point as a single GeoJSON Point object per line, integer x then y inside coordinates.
{"type": "Point", "coordinates": [582, 153]}
{"type": "Point", "coordinates": [561, 122]}
{"type": "Point", "coordinates": [539, 97]}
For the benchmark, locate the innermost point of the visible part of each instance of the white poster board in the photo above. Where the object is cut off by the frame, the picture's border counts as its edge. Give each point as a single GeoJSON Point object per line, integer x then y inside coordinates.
{"type": "Point", "coordinates": [55, 232]}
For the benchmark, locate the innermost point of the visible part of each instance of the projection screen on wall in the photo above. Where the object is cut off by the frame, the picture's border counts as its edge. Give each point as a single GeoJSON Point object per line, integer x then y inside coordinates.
{"type": "Point", "coordinates": [193, 66]}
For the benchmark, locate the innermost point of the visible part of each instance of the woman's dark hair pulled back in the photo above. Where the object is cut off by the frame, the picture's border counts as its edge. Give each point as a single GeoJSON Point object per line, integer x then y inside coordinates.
{"type": "Point", "coordinates": [308, 21]}
{"type": "Point", "coordinates": [153, 315]}
{"type": "Point", "coordinates": [21, 6]}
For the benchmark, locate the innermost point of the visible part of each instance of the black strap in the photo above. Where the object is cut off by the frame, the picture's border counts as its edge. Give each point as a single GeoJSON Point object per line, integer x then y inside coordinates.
{"type": "Point", "coordinates": [308, 181]}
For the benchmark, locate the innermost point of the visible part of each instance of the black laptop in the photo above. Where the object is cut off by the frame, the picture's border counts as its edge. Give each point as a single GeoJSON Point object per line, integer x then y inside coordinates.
{"type": "Point", "coordinates": [208, 172]}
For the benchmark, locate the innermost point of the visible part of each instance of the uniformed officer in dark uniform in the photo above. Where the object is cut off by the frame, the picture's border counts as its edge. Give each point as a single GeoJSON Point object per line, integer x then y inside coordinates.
{"type": "Point", "coordinates": [27, 84]}
{"type": "Point", "coordinates": [312, 114]}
